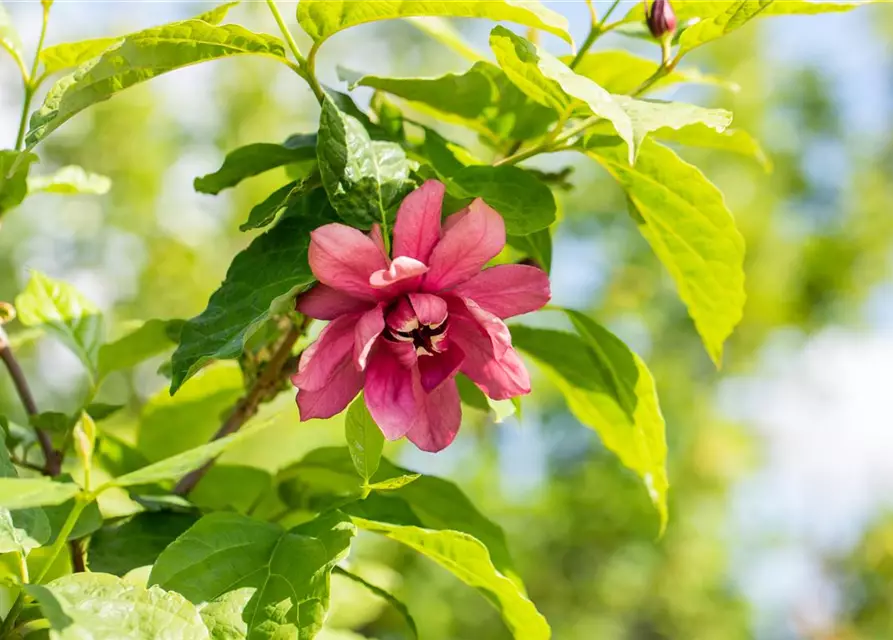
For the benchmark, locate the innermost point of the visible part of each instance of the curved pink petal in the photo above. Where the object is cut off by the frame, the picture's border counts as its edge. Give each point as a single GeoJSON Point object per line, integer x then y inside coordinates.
{"type": "Point", "coordinates": [402, 268]}
{"type": "Point", "coordinates": [417, 228]}
{"type": "Point", "coordinates": [490, 360]}
{"type": "Point", "coordinates": [345, 383]}
{"type": "Point", "coordinates": [404, 352]}
{"type": "Point", "coordinates": [453, 219]}
{"type": "Point", "coordinates": [393, 394]}
{"type": "Point", "coordinates": [368, 328]}
{"type": "Point", "coordinates": [436, 369]}
{"type": "Point", "coordinates": [344, 258]}
{"type": "Point", "coordinates": [378, 239]}
{"type": "Point", "coordinates": [402, 317]}
{"type": "Point", "coordinates": [429, 309]}
{"type": "Point", "coordinates": [443, 413]}
{"type": "Point", "coordinates": [508, 290]}
{"type": "Point", "coordinates": [320, 360]}
{"type": "Point", "coordinates": [325, 303]}
{"type": "Point", "coordinates": [465, 248]}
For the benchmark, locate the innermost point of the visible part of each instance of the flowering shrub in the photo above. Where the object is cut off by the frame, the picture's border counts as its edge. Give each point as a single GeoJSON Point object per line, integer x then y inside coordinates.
{"type": "Point", "coordinates": [414, 250]}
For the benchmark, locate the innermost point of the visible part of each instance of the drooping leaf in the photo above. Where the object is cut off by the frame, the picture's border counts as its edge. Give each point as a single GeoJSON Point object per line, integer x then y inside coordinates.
{"type": "Point", "coordinates": [365, 179]}
{"type": "Point", "coordinates": [731, 140]}
{"type": "Point", "coordinates": [272, 269]}
{"type": "Point", "coordinates": [9, 37]}
{"type": "Point", "coordinates": [25, 493]}
{"type": "Point", "coordinates": [467, 558]}
{"type": "Point", "coordinates": [621, 72]}
{"type": "Point", "coordinates": [398, 606]}
{"type": "Point", "coordinates": [254, 159]}
{"type": "Point", "coordinates": [136, 541]}
{"type": "Point", "coordinates": [364, 439]}
{"type": "Point", "coordinates": [149, 339]}
{"type": "Point", "coordinates": [685, 220]}
{"type": "Point", "coordinates": [607, 388]}
{"type": "Point", "coordinates": [23, 529]}
{"type": "Point", "coordinates": [14, 166]}
{"type": "Point", "coordinates": [323, 18]}
{"type": "Point", "coordinates": [537, 246]}
{"type": "Point", "coordinates": [61, 310]}
{"type": "Point", "coordinates": [552, 83]}
{"type": "Point", "coordinates": [525, 203]}
{"type": "Point", "coordinates": [288, 571]}
{"type": "Point", "coordinates": [100, 606]}
{"type": "Point", "coordinates": [291, 195]}
{"type": "Point", "coordinates": [142, 56]}
{"type": "Point", "coordinates": [70, 180]}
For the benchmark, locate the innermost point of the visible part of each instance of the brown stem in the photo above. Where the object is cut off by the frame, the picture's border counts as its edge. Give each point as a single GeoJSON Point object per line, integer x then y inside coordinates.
{"type": "Point", "coordinates": [247, 407]}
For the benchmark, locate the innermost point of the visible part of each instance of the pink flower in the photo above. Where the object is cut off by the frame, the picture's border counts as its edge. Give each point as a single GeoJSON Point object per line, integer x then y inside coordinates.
{"type": "Point", "coordinates": [401, 329]}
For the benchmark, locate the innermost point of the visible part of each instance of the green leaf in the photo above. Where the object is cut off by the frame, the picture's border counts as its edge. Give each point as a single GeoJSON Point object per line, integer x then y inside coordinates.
{"type": "Point", "coordinates": [101, 410]}
{"type": "Point", "coordinates": [685, 220]}
{"type": "Point", "coordinates": [100, 606]}
{"type": "Point", "coordinates": [398, 606]}
{"type": "Point", "coordinates": [24, 493]}
{"type": "Point", "coordinates": [392, 484]}
{"type": "Point", "coordinates": [364, 178]}
{"type": "Point", "coordinates": [552, 83]}
{"type": "Point", "coordinates": [444, 32]}
{"type": "Point", "coordinates": [143, 56]}
{"type": "Point", "coordinates": [525, 203]}
{"type": "Point", "coordinates": [254, 159]}
{"type": "Point", "coordinates": [731, 140]}
{"type": "Point", "coordinates": [364, 439]}
{"type": "Point", "coordinates": [467, 558]}
{"type": "Point", "coordinates": [621, 72]}
{"type": "Point", "coordinates": [291, 195]}
{"type": "Point", "coordinates": [323, 18]}
{"type": "Point", "coordinates": [23, 529]}
{"type": "Point", "coordinates": [288, 571]}
{"type": "Point", "coordinates": [150, 339]}
{"type": "Point", "coordinates": [9, 37]}
{"type": "Point", "coordinates": [607, 388]}
{"type": "Point", "coordinates": [14, 167]}
{"type": "Point", "coordinates": [89, 521]}
{"type": "Point", "coordinates": [63, 311]}
{"type": "Point", "coordinates": [537, 246]}
{"type": "Point", "coordinates": [136, 541]}
{"type": "Point", "coordinates": [70, 180]}
{"type": "Point", "coordinates": [52, 421]}
{"type": "Point", "coordinates": [273, 269]}
{"type": "Point", "coordinates": [179, 465]}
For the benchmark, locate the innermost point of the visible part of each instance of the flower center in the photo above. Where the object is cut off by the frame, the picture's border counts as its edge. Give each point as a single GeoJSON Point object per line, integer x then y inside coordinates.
{"type": "Point", "coordinates": [427, 339]}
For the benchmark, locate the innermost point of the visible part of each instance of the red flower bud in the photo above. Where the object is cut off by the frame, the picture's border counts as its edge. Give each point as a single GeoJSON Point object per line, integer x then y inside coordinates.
{"type": "Point", "coordinates": [661, 19]}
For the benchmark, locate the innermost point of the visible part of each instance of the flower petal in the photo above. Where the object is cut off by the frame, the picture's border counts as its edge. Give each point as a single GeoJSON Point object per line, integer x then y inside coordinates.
{"type": "Point", "coordinates": [402, 317]}
{"type": "Point", "coordinates": [345, 383]}
{"type": "Point", "coordinates": [453, 219]}
{"type": "Point", "coordinates": [466, 247]}
{"type": "Point", "coordinates": [401, 269]}
{"type": "Point", "coordinates": [417, 228]}
{"type": "Point", "coordinates": [507, 290]}
{"type": "Point", "coordinates": [393, 394]}
{"type": "Point", "coordinates": [438, 368]}
{"type": "Point", "coordinates": [325, 303]}
{"type": "Point", "coordinates": [344, 258]}
{"type": "Point", "coordinates": [429, 309]}
{"type": "Point", "coordinates": [444, 416]}
{"type": "Point", "coordinates": [321, 359]}
{"type": "Point", "coordinates": [490, 360]}
{"type": "Point", "coordinates": [368, 328]}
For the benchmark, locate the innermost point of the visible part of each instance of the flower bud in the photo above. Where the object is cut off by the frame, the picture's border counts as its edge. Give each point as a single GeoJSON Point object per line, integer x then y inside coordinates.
{"type": "Point", "coordinates": [661, 19]}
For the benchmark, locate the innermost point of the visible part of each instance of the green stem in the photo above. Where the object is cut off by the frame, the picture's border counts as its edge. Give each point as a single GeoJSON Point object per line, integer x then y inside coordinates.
{"type": "Point", "coordinates": [310, 74]}
{"type": "Point", "coordinates": [289, 39]}
{"type": "Point", "coordinates": [306, 66]}
{"type": "Point", "coordinates": [30, 84]}
{"type": "Point", "coordinates": [595, 32]}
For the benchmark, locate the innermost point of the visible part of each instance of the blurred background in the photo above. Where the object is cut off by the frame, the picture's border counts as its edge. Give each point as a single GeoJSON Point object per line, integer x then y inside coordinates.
{"type": "Point", "coordinates": [780, 464]}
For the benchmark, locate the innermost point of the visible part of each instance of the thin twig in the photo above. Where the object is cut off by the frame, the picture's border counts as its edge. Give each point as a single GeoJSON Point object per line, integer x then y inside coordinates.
{"type": "Point", "coordinates": [247, 407]}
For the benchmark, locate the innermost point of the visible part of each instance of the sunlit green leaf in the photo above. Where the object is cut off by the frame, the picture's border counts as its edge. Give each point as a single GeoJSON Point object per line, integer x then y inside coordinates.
{"type": "Point", "coordinates": [254, 159]}
{"type": "Point", "coordinates": [24, 493]}
{"type": "Point", "coordinates": [364, 439]}
{"type": "Point", "coordinates": [467, 558]}
{"type": "Point", "coordinates": [525, 203]}
{"type": "Point", "coordinates": [100, 606]}
{"type": "Point", "coordinates": [70, 180]}
{"type": "Point", "coordinates": [323, 18]}
{"type": "Point", "coordinates": [23, 529]}
{"type": "Point", "coordinates": [140, 57]}
{"type": "Point", "coordinates": [150, 339]}
{"type": "Point", "coordinates": [62, 311]}
{"type": "Point", "coordinates": [365, 178]}
{"type": "Point", "coordinates": [731, 140]}
{"type": "Point", "coordinates": [398, 606]}
{"type": "Point", "coordinates": [607, 388]}
{"type": "Point", "coordinates": [444, 32]}
{"type": "Point", "coordinates": [136, 541]}
{"type": "Point", "coordinates": [287, 571]}
{"type": "Point", "coordinates": [273, 268]}
{"type": "Point", "coordinates": [685, 220]}
{"type": "Point", "coordinates": [14, 167]}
